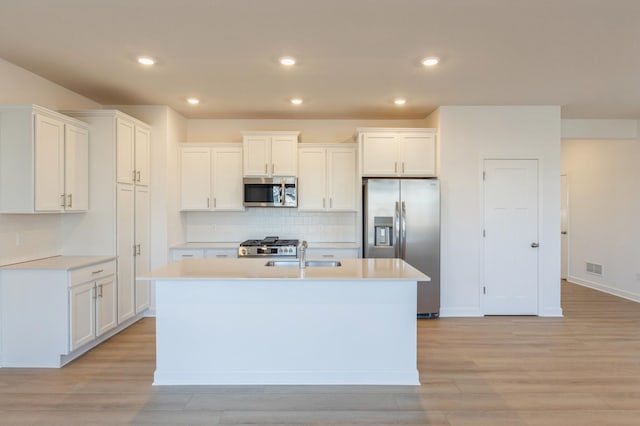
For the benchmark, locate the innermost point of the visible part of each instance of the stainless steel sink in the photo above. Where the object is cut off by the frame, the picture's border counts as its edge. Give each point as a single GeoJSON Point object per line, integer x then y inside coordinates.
{"type": "Point", "coordinates": [308, 263]}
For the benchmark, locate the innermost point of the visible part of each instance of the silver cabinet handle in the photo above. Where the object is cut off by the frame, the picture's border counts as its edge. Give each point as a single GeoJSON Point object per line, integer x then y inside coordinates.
{"type": "Point", "coordinates": [215, 202]}
{"type": "Point", "coordinates": [139, 176]}
{"type": "Point", "coordinates": [62, 200]}
{"type": "Point", "coordinates": [403, 167]}
{"type": "Point", "coordinates": [186, 255]}
{"type": "Point", "coordinates": [563, 233]}
{"type": "Point", "coordinates": [100, 290]}
{"type": "Point", "coordinates": [535, 245]}
{"type": "Point", "coordinates": [139, 249]}
{"type": "Point", "coordinates": [222, 255]}
{"type": "Point", "coordinates": [266, 169]}
{"type": "Point", "coordinates": [324, 204]}
{"type": "Point", "coordinates": [331, 202]}
{"type": "Point", "coordinates": [70, 197]}
{"type": "Point", "coordinates": [395, 167]}
{"type": "Point", "coordinates": [134, 176]}
{"type": "Point", "coordinates": [97, 271]}
{"type": "Point", "coordinates": [208, 203]}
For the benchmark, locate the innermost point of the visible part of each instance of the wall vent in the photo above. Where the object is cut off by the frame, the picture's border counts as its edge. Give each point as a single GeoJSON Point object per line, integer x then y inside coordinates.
{"type": "Point", "coordinates": [594, 268]}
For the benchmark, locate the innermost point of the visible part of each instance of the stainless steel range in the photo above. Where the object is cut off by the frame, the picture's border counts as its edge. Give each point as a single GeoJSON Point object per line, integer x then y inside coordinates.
{"type": "Point", "coordinates": [268, 247]}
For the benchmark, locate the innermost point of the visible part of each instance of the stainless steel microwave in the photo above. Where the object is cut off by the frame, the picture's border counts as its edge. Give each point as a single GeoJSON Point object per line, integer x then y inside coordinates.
{"type": "Point", "coordinates": [279, 191]}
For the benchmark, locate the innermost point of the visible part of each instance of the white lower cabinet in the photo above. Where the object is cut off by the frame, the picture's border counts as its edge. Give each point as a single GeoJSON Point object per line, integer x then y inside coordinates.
{"type": "Point", "coordinates": [178, 254]}
{"type": "Point", "coordinates": [92, 306]}
{"type": "Point", "coordinates": [332, 253]}
{"type": "Point", "coordinates": [52, 315]}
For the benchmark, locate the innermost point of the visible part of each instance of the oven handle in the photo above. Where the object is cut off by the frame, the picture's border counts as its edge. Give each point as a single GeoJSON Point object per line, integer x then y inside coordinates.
{"type": "Point", "coordinates": [282, 192]}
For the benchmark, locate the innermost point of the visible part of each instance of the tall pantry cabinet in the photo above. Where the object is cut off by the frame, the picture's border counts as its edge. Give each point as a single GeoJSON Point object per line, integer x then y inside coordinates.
{"type": "Point", "coordinates": [119, 219]}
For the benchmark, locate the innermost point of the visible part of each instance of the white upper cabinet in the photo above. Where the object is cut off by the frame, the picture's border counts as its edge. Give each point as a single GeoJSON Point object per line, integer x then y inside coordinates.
{"type": "Point", "coordinates": [76, 180]}
{"type": "Point", "coordinates": [211, 177]}
{"type": "Point", "coordinates": [270, 153]}
{"type": "Point", "coordinates": [44, 161]}
{"type": "Point", "coordinates": [132, 164]}
{"type": "Point", "coordinates": [327, 178]}
{"type": "Point", "coordinates": [398, 152]}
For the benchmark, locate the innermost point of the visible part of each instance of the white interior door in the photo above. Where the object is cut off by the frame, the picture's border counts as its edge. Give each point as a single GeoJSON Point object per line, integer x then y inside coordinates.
{"type": "Point", "coordinates": [510, 237]}
{"type": "Point", "coordinates": [564, 227]}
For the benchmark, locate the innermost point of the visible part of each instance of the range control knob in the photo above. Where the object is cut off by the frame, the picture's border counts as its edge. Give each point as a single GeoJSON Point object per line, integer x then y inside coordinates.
{"type": "Point", "coordinates": [243, 251]}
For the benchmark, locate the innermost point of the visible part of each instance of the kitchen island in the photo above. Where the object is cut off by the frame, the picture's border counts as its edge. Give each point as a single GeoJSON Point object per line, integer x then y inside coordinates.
{"type": "Point", "coordinates": [238, 321]}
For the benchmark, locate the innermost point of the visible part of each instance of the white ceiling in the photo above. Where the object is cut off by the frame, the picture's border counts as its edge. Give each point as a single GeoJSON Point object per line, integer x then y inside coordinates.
{"type": "Point", "coordinates": [355, 56]}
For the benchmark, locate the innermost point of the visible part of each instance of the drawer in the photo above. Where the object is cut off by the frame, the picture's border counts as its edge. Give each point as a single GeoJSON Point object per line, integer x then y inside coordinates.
{"type": "Point", "coordinates": [327, 253]}
{"type": "Point", "coordinates": [221, 253]}
{"type": "Point", "coordinates": [90, 273]}
{"type": "Point", "coordinates": [180, 254]}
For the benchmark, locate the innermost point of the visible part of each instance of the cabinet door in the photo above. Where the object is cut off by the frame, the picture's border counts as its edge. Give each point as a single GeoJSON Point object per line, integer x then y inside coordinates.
{"type": "Point", "coordinates": [312, 179]}
{"type": "Point", "coordinates": [417, 154]}
{"type": "Point", "coordinates": [195, 179]}
{"type": "Point", "coordinates": [142, 250]}
{"type": "Point", "coordinates": [380, 154]}
{"type": "Point", "coordinates": [226, 178]}
{"type": "Point", "coordinates": [256, 155]}
{"type": "Point", "coordinates": [82, 314]}
{"type": "Point", "coordinates": [284, 155]}
{"type": "Point", "coordinates": [341, 179]}
{"type": "Point", "coordinates": [142, 155]}
{"type": "Point", "coordinates": [125, 246]}
{"type": "Point", "coordinates": [106, 308]}
{"type": "Point", "coordinates": [76, 180]}
{"type": "Point", "coordinates": [49, 164]}
{"type": "Point", "coordinates": [125, 139]}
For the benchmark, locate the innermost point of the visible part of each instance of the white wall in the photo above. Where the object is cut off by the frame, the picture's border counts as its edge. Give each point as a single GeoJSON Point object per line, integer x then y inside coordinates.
{"type": "Point", "coordinates": [468, 135]}
{"type": "Point", "coordinates": [38, 235]}
{"type": "Point", "coordinates": [604, 205]}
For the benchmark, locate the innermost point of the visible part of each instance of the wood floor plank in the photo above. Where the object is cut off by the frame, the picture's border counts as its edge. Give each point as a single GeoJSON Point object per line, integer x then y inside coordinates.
{"type": "Point", "coordinates": [583, 369]}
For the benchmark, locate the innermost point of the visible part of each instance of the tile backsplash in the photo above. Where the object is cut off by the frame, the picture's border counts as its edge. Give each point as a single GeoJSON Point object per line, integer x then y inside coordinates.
{"type": "Point", "coordinates": [260, 222]}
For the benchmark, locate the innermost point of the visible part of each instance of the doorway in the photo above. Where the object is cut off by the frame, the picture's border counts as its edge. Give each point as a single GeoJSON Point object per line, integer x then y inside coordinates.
{"type": "Point", "coordinates": [510, 237]}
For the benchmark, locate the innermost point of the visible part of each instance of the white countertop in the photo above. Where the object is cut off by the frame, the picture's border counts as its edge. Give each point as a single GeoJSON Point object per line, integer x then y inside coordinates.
{"type": "Point", "coordinates": [255, 269]}
{"type": "Point", "coordinates": [61, 262]}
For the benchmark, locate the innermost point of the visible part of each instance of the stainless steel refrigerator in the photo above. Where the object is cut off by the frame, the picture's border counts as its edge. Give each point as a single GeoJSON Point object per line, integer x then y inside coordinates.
{"type": "Point", "coordinates": [402, 220]}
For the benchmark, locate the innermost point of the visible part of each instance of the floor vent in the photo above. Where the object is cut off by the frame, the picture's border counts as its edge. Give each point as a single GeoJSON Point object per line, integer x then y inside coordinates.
{"type": "Point", "coordinates": [594, 268]}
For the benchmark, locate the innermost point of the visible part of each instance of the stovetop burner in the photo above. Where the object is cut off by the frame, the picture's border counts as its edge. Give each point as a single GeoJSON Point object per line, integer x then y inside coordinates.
{"type": "Point", "coordinates": [268, 247]}
{"type": "Point", "coordinates": [269, 242]}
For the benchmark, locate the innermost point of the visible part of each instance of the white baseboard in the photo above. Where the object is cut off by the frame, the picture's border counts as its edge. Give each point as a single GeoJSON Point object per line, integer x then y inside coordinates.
{"type": "Point", "coordinates": [460, 312]}
{"type": "Point", "coordinates": [605, 288]}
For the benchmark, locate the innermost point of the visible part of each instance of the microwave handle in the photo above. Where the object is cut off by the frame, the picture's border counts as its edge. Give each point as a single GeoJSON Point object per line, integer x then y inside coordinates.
{"type": "Point", "coordinates": [282, 192]}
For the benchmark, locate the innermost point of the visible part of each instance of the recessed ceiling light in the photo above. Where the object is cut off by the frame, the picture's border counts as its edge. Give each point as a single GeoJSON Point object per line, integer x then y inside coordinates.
{"type": "Point", "coordinates": [146, 60]}
{"type": "Point", "coordinates": [400, 101]}
{"type": "Point", "coordinates": [287, 61]}
{"type": "Point", "coordinates": [193, 101]}
{"type": "Point", "coordinates": [296, 101]}
{"type": "Point", "coordinates": [431, 61]}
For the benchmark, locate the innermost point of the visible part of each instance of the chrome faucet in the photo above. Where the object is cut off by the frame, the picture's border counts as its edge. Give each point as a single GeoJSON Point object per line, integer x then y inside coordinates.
{"type": "Point", "coordinates": [302, 253]}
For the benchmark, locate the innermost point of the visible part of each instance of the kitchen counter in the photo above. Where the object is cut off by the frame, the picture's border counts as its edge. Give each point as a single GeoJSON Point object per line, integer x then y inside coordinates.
{"type": "Point", "coordinates": [254, 268]}
{"type": "Point", "coordinates": [68, 263]}
{"type": "Point", "coordinates": [239, 322]}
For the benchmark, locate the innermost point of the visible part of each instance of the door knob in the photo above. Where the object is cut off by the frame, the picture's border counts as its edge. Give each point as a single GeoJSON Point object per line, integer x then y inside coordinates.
{"type": "Point", "coordinates": [535, 245]}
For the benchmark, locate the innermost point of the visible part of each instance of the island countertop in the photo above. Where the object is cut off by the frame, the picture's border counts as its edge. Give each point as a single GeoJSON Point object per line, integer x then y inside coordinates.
{"type": "Point", "coordinates": [255, 269]}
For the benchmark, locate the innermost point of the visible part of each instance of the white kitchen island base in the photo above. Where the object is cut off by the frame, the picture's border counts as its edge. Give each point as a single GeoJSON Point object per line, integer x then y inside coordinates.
{"type": "Point", "coordinates": [294, 330]}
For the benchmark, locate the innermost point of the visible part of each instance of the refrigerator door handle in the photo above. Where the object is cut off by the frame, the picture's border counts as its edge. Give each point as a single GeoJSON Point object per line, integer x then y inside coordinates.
{"type": "Point", "coordinates": [396, 232]}
{"type": "Point", "coordinates": [404, 230]}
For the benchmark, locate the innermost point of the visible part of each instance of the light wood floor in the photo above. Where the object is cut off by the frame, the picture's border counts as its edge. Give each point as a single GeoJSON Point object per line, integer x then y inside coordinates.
{"type": "Point", "coordinates": [583, 369]}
